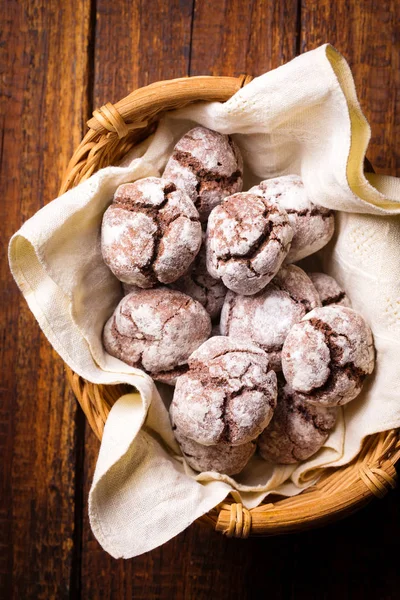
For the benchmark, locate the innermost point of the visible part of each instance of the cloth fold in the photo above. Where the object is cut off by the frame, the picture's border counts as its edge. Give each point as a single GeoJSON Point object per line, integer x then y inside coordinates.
{"type": "Point", "coordinates": [303, 118]}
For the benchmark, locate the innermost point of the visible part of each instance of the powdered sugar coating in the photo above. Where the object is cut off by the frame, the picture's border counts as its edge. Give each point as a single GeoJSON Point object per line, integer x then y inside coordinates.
{"type": "Point", "coordinates": [208, 166]}
{"type": "Point", "coordinates": [313, 225]}
{"type": "Point", "coordinates": [329, 290]}
{"type": "Point", "coordinates": [221, 458]}
{"type": "Point", "coordinates": [227, 396]}
{"type": "Point", "coordinates": [247, 241]}
{"type": "Point", "coordinates": [327, 356]}
{"type": "Point", "coordinates": [156, 330]}
{"type": "Point", "coordinates": [151, 233]}
{"type": "Point", "coordinates": [297, 429]}
{"type": "Point", "coordinates": [267, 317]}
{"type": "Point", "coordinates": [201, 286]}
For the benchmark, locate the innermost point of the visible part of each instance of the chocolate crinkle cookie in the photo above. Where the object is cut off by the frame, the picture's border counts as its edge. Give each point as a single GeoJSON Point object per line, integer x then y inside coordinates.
{"type": "Point", "coordinates": [208, 166]}
{"type": "Point", "coordinates": [267, 317]}
{"type": "Point", "coordinates": [247, 240]}
{"type": "Point", "coordinates": [329, 290]}
{"type": "Point", "coordinates": [156, 330]}
{"type": "Point", "coordinates": [200, 285]}
{"type": "Point", "coordinates": [227, 396]}
{"type": "Point", "coordinates": [221, 458]}
{"type": "Point", "coordinates": [151, 232]}
{"type": "Point", "coordinates": [297, 429]}
{"type": "Point", "coordinates": [327, 356]}
{"type": "Point", "coordinates": [313, 225]}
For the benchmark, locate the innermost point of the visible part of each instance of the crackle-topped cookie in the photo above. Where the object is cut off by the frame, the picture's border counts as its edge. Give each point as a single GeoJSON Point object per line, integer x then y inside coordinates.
{"type": "Point", "coordinates": [297, 430]}
{"type": "Point", "coordinates": [156, 330]}
{"type": "Point", "coordinates": [247, 240]}
{"type": "Point", "coordinates": [227, 396]}
{"type": "Point", "coordinates": [329, 290]}
{"type": "Point", "coordinates": [221, 458]}
{"type": "Point", "coordinates": [200, 285]}
{"type": "Point", "coordinates": [327, 356]}
{"type": "Point", "coordinates": [208, 166]}
{"type": "Point", "coordinates": [151, 232]}
{"type": "Point", "coordinates": [313, 225]}
{"type": "Point", "coordinates": [267, 317]}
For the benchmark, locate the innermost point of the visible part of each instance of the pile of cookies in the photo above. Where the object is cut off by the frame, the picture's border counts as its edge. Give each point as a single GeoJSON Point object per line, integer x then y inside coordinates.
{"type": "Point", "coordinates": [260, 352]}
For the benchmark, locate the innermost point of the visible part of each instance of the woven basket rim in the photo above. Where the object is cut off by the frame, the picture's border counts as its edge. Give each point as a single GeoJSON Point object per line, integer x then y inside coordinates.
{"type": "Point", "coordinates": [113, 131]}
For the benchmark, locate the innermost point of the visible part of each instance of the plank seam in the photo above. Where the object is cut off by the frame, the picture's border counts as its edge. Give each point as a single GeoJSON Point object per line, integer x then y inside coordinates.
{"type": "Point", "coordinates": [189, 70]}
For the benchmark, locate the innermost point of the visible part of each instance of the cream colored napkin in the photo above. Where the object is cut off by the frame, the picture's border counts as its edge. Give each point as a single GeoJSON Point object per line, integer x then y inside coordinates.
{"type": "Point", "coordinates": [302, 118]}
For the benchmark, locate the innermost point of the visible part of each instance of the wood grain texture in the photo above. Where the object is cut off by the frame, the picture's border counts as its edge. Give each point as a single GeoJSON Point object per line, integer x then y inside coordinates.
{"type": "Point", "coordinates": [233, 37]}
{"type": "Point", "coordinates": [43, 116]}
{"type": "Point", "coordinates": [367, 33]}
{"type": "Point", "coordinates": [139, 42]}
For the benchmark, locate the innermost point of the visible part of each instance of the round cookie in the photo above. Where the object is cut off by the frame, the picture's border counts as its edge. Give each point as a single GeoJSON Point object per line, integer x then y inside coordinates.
{"type": "Point", "coordinates": [156, 330]}
{"type": "Point", "coordinates": [221, 458]}
{"type": "Point", "coordinates": [313, 225]}
{"type": "Point", "coordinates": [201, 286]}
{"type": "Point", "coordinates": [208, 166]}
{"type": "Point", "coordinates": [227, 396]}
{"type": "Point", "coordinates": [150, 233]}
{"type": "Point", "coordinates": [247, 240]}
{"type": "Point", "coordinates": [297, 429]}
{"type": "Point", "coordinates": [329, 290]}
{"type": "Point", "coordinates": [267, 317]}
{"type": "Point", "coordinates": [327, 356]}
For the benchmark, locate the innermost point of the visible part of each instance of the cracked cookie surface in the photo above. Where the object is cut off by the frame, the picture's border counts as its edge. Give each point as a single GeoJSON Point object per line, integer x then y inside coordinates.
{"type": "Point", "coordinates": [267, 317]}
{"type": "Point", "coordinates": [327, 356]}
{"type": "Point", "coordinates": [150, 233]}
{"type": "Point", "coordinates": [221, 458]}
{"type": "Point", "coordinates": [297, 429]}
{"type": "Point", "coordinates": [247, 240]}
{"type": "Point", "coordinates": [313, 225]}
{"type": "Point", "coordinates": [227, 396]}
{"type": "Point", "coordinates": [329, 290]}
{"type": "Point", "coordinates": [208, 166]}
{"type": "Point", "coordinates": [201, 286]}
{"type": "Point", "coordinates": [156, 330]}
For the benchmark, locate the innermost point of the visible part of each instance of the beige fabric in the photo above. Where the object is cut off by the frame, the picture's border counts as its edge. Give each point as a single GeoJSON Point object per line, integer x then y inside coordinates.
{"type": "Point", "coordinates": [302, 118]}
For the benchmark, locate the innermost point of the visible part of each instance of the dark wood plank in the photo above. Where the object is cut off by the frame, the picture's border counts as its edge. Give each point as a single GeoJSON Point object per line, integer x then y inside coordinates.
{"type": "Point", "coordinates": [138, 43]}
{"type": "Point", "coordinates": [367, 33]}
{"type": "Point", "coordinates": [44, 103]}
{"type": "Point", "coordinates": [233, 37]}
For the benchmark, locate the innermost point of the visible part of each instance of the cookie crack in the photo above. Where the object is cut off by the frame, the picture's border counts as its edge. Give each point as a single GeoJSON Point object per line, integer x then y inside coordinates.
{"type": "Point", "coordinates": [117, 335]}
{"type": "Point", "coordinates": [186, 159]}
{"type": "Point", "coordinates": [185, 303]}
{"type": "Point", "coordinates": [309, 212]}
{"type": "Point", "coordinates": [352, 372]}
{"type": "Point", "coordinates": [304, 301]}
{"type": "Point", "coordinates": [334, 299]}
{"type": "Point", "coordinates": [268, 234]}
{"type": "Point", "coordinates": [160, 221]}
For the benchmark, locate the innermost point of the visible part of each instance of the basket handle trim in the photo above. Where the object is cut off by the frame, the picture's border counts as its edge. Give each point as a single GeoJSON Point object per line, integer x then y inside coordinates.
{"type": "Point", "coordinates": [379, 486]}
{"type": "Point", "coordinates": [162, 95]}
{"type": "Point", "coordinates": [109, 118]}
{"type": "Point", "coordinates": [239, 525]}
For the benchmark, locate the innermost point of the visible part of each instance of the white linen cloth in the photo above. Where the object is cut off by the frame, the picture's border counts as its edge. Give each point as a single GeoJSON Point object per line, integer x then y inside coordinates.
{"type": "Point", "coordinates": [301, 118]}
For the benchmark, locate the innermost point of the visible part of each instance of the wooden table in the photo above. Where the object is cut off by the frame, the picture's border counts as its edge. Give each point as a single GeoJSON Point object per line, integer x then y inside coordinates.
{"type": "Point", "coordinates": [60, 60]}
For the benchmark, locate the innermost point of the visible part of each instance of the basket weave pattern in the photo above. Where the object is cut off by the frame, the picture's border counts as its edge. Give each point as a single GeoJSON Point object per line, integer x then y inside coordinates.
{"type": "Point", "coordinates": [113, 131]}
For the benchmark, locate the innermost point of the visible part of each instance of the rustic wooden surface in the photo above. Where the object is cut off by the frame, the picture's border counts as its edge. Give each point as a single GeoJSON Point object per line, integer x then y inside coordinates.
{"type": "Point", "coordinates": [59, 61]}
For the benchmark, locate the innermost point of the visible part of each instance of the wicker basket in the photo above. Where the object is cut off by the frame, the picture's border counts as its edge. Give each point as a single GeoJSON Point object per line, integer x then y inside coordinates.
{"type": "Point", "coordinates": [113, 131]}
